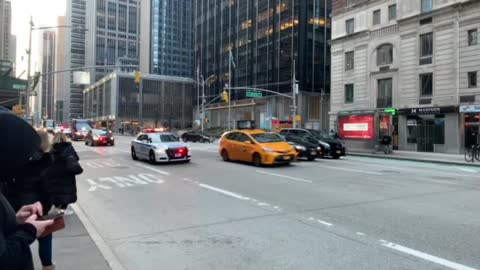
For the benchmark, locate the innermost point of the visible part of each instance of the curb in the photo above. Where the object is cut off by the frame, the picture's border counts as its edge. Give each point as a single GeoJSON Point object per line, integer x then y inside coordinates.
{"type": "Point", "coordinates": [102, 246]}
{"type": "Point", "coordinates": [413, 159]}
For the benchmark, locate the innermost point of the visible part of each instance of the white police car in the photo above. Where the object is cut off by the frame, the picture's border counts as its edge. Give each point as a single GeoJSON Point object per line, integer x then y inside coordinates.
{"type": "Point", "coordinates": [159, 147]}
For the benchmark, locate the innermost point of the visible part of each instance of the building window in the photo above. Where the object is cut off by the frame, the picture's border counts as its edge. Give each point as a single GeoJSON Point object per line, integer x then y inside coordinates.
{"type": "Point", "coordinates": [376, 17]}
{"type": "Point", "coordinates": [384, 97]}
{"type": "Point", "coordinates": [392, 12]}
{"type": "Point", "coordinates": [349, 60]}
{"type": "Point", "coordinates": [427, 6]}
{"type": "Point", "coordinates": [472, 37]}
{"type": "Point", "coordinates": [384, 55]}
{"type": "Point", "coordinates": [349, 2]}
{"type": "Point", "coordinates": [426, 48]}
{"type": "Point", "coordinates": [472, 79]}
{"type": "Point", "coordinates": [348, 93]}
{"type": "Point", "coordinates": [426, 85]}
{"type": "Point", "coordinates": [350, 26]}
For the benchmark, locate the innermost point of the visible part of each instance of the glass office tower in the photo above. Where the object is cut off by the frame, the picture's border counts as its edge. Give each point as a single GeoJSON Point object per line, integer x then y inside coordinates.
{"type": "Point", "coordinates": [265, 37]}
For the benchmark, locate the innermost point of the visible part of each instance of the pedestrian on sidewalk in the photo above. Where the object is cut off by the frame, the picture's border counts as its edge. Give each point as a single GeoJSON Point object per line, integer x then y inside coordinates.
{"type": "Point", "coordinates": [29, 187]}
{"type": "Point", "coordinates": [61, 183]}
{"type": "Point", "coordinates": [18, 143]}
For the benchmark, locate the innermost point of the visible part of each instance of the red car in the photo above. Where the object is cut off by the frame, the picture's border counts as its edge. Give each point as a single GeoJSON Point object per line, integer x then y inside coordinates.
{"type": "Point", "coordinates": [97, 137]}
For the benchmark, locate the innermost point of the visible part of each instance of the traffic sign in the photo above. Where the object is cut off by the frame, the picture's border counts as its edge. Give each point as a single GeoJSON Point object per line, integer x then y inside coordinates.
{"type": "Point", "coordinates": [254, 94]}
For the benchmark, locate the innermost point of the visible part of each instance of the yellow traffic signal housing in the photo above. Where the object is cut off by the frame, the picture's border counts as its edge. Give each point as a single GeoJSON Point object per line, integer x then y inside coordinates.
{"type": "Point", "coordinates": [225, 96]}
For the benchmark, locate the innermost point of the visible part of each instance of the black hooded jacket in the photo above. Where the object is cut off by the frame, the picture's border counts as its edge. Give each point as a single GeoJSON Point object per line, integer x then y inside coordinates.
{"type": "Point", "coordinates": [61, 184]}
{"type": "Point", "coordinates": [29, 186]}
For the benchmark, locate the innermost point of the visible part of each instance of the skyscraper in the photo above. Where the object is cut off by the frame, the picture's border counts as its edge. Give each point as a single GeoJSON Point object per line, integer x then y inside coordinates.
{"type": "Point", "coordinates": [113, 35]}
{"type": "Point", "coordinates": [105, 33]}
{"type": "Point", "coordinates": [60, 78]}
{"type": "Point", "coordinates": [5, 29]}
{"type": "Point", "coordinates": [265, 39]}
{"type": "Point", "coordinates": [45, 97]}
{"type": "Point", "coordinates": [167, 37]}
{"type": "Point", "coordinates": [74, 57]}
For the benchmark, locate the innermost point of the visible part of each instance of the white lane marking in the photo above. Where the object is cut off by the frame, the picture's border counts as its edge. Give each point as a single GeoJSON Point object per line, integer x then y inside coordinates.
{"type": "Point", "coordinates": [263, 204]}
{"type": "Point", "coordinates": [153, 169]}
{"type": "Point", "coordinates": [224, 192]}
{"type": "Point", "coordinates": [349, 170]}
{"type": "Point", "coordinates": [324, 222]}
{"type": "Point", "coordinates": [467, 170]}
{"type": "Point", "coordinates": [311, 218]}
{"type": "Point", "coordinates": [427, 257]}
{"type": "Point", "coordinates": [360, 233]}
{"type": "Point", "coordinates": [285, 176]}
{"type": "Point", "coordinates": [94, 185]}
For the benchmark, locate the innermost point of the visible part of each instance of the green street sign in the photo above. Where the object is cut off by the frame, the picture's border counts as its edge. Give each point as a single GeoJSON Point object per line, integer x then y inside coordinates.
{"type": "Point", "coordinates": [19, 86]}
{"type": "Point", "coordinates": [253, 94]}
{"type": "Point", "coordinates": [392, 111]}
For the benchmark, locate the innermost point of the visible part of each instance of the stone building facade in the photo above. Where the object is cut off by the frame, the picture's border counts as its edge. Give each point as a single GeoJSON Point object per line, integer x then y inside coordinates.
{"type": "Point", "coordinates": [412, 65]}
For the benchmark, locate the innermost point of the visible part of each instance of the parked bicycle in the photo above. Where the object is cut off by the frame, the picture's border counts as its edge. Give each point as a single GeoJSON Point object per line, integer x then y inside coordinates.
{"type": "Point", "coordinates": [472, 153]}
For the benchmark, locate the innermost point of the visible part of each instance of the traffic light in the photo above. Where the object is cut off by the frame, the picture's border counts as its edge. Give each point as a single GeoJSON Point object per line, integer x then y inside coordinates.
{"type": "Point", "coordinates": [137, 77]}
{"type": "Point", "coordinates": [225, 96]}
{"type": "Point", "coordinates": [35, 79]}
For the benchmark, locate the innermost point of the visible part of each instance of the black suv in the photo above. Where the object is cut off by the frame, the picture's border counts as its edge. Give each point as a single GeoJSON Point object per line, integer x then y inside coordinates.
{"type": "Point", "coordinates": [329, 143]}
{"type": "Point", "coordinates": [305, 148]}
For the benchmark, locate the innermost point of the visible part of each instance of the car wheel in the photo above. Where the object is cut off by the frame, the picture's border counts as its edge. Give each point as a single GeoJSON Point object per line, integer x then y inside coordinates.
{"type": "Point", "coordinates": [112, 144]}
{"type": "Point", "coordinates": [151, 157]}
{"type": "Point", "coordinates": [187, 161]}
{"type": "Point", "coordinates": [336, 156]}
{"type": "Point", "coordinates": [257, 160]}
{"type": "Point", "coordinates": [134, 155]}
{"type": "Point", "coordinates": [311, 158]}
{"type": "Point", "coordinates": [225, 155]}
{"type": "Point", "coordinates": [86, 143]}
{"type": "Point", "coordinates": [185, 139]}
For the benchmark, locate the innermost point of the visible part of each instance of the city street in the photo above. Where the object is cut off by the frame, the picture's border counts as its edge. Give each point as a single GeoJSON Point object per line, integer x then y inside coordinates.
{"type": "Point", "coordinates": [353, 213]}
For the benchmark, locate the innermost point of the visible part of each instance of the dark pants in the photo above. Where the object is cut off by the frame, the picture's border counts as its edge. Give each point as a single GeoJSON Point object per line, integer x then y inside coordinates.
{"type": "Point", "coordinates": [45, 250]}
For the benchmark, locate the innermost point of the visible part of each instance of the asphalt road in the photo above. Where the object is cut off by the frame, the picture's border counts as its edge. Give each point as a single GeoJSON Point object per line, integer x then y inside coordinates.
{"type": "Point", "coordinates": [353, 213]}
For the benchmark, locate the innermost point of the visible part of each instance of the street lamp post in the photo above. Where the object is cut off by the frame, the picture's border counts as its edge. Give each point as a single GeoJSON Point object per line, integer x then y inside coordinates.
{"type": "Point", "coordinates": [29, 59]}
{"type": "Point", "coordinates": [202, 83]}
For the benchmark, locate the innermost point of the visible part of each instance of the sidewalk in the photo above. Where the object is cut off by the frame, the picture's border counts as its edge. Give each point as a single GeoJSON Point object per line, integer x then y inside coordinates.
{"type": "Point", "coordinates": [452, 159]}
{"type": "Point", "coordinates": [73, 249]}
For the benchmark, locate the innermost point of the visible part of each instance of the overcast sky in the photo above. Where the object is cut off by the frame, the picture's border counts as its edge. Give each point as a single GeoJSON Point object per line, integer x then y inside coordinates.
{"type": "Point", "coordinates": [45, 13]}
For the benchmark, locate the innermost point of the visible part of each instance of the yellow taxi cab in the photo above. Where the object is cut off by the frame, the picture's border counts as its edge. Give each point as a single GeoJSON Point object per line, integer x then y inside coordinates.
{"type": "Point", "coordinates": [256, 146]}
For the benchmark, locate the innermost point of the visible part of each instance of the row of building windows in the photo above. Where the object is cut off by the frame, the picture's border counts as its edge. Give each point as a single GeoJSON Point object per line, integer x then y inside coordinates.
{"type": "Point", "coordinates": [385, 51]}
{"type": "Point", "coordinates": [426, 6]}
{"type": "Point", "coordinates": [384, 89]}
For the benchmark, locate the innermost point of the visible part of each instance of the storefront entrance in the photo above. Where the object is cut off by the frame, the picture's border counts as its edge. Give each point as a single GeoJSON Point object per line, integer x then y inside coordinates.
{"type": "Point", "coordinates": [425, 135]}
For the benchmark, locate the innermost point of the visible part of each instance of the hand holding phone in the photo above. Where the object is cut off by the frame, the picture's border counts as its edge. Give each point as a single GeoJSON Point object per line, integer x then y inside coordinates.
{"type": "Point", "coordinates": [51, 216]}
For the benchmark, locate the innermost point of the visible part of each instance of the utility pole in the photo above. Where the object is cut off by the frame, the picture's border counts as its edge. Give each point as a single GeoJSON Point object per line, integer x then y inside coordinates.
{"type": "Point", "coordinates": [229, 67]}
{"type": "Point", "coordinates": [29, 60]}
{"type": "Point", "coordinates": [202, 111]}
{"type": "Point", "coordinates": [294, 97]}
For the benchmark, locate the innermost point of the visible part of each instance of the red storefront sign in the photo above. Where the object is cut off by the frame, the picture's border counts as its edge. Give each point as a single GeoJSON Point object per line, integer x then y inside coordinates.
{"type": "Point", "coordinates": [356, 127]}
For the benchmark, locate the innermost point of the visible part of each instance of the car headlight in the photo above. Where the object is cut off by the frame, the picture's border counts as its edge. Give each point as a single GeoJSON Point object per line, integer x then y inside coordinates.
{"type": "Point", "coordinates": [300, 148]}
{"type": "Point", "coordinates": [319, 148]}
{"type": "Point", "coordinates": [95, 138]}
{"type": "Point", "coordinates": [267, 150]}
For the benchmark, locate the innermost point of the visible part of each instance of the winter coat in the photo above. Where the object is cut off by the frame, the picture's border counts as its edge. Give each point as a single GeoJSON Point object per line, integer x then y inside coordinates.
{"type": "Point", "coordinates": [61, 183]}
{"type": "Point", "coordinates": [29, 187]}
{"type": "Point", "coordinates": [15, 240]}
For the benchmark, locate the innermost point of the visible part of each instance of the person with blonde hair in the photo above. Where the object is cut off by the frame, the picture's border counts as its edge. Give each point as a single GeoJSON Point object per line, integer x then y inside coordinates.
{"type": "Point", "coordinates": [28, 188]}
{"type": "Point", "coordinates": [61, 175]}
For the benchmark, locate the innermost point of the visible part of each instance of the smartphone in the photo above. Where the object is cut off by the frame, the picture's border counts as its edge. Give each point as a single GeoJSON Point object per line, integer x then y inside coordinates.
{"type": "Point", "coordinates": [51, 216]}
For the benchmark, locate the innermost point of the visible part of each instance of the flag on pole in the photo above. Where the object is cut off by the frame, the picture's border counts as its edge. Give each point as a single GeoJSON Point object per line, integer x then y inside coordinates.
{"type": "Point", "coordinates": [232, 61]}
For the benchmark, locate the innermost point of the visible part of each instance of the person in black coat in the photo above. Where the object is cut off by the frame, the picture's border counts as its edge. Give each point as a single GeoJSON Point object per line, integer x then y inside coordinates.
{"type": "Point", "coordinates": [18, 143]}
{"type": "Point", "coordinates": [28, 187]}
{"type": "Point", "coordinates": [61, 183]}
